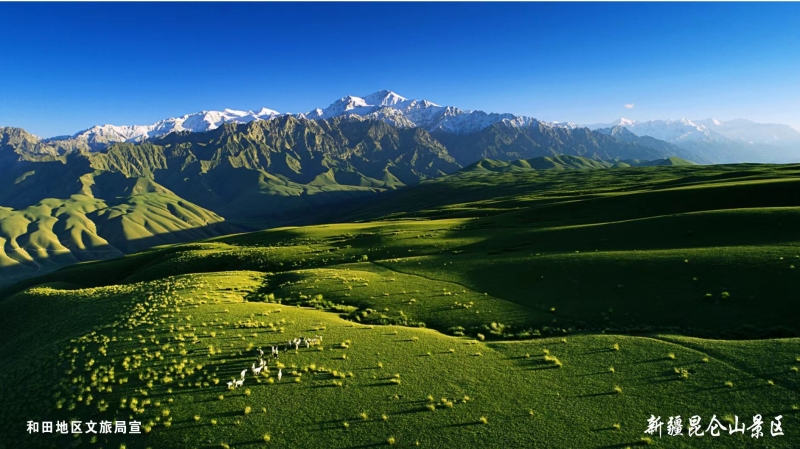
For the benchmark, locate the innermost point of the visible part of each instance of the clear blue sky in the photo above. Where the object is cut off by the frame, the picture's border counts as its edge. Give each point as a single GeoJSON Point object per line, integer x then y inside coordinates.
{"type": "Point", "coordinates": [70, 66]}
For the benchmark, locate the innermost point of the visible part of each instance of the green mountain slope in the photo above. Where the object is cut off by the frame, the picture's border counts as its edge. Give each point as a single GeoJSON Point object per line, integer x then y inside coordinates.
{"type": "Point", "coordinates": [53, 233]}
{"type": "Point", "coordinates": [505, 142]}
{"type": "Point", "coordinates": [264, 169]}
{"type": "Point", "coordinates": [131, 196]}
{"type": "Point", "coordinates": [161, 353]}
{"type": "Point", "coordinates": [561, 308]}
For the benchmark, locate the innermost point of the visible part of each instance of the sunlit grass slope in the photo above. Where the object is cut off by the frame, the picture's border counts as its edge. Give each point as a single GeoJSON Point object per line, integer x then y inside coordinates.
{"type": "Point", "coordinates": [565, 308]}
{"type": "Point", "coordinates": [161, 352]}
{"type": "Point", "coordinates": [701, 260]}
{"type": "Point", "coordinates": [55, 232]}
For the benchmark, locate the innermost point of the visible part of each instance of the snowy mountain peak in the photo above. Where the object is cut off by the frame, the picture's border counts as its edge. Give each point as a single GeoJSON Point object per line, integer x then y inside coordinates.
{"type": "Point", "coordinates": [708, 130]}
{"type": "Point", "coordinates": [384, 98]}
{"type": "Point", "coordinates": [392, 108]}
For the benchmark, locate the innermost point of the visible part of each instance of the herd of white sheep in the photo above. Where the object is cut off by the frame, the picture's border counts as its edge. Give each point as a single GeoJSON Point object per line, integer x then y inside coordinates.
{"type": "Point", "coordinates": [262, 367]}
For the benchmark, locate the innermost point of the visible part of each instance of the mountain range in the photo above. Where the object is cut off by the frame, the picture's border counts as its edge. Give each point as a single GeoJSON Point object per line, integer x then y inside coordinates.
{"type": "Point", "coordinates": [110, 190]}
{"type": "Point", "coordinates": [718, 141]}
{"type": "Point", "coordinates": [704, 141]}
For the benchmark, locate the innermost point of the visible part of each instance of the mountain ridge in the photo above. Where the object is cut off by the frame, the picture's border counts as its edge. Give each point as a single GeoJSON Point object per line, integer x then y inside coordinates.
{"type": "Point", "coordinates": [706, 140]}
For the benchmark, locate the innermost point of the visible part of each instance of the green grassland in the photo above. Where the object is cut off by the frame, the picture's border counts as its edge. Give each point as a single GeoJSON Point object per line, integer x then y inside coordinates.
{"type": "Point", "coordinates": [53, 232]}
{"type": "Point", "coordinates": [161, 352]}
{"type": "Point", "coordinates": [682, 279]}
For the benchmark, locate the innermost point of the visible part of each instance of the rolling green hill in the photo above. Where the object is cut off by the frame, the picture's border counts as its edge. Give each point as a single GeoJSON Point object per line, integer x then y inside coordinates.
{"type": "Point", "coordinates": [54, 233]}
{"type": "Point", "coordinates": [268, 173]}
{"type": "Point", "coordinates": [565, 162]}
{"type": "Point", "coordinates": [518, 308]}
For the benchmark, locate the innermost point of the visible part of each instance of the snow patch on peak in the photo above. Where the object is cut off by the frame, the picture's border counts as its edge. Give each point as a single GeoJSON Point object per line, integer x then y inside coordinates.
{"type": "Point", "coordinates": [101, 136]}
{"type": "Point", "coordinates": [384, 98]}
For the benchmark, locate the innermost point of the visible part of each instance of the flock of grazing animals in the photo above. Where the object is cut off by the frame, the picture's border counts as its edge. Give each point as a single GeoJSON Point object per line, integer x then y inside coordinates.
{"type": "Point", "coordinates": [275, 352]}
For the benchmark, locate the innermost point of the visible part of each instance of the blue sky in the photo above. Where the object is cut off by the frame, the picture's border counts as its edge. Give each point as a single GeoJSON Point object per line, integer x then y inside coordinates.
{"type": "Point", "coordinates": [70, 66]}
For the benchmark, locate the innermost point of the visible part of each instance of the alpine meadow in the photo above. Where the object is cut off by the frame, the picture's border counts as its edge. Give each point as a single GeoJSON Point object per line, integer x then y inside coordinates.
{"type": "Point", "coordinates": [388, 271]}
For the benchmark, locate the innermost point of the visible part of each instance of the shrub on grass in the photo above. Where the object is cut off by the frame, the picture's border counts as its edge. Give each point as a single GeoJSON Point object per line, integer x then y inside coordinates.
{"type": "Point", "coordinates": [729, 384]}
{"type": "Point", "coordinates": [363, 415]}
{"type": "Point", "coordinates": [247, 410]}
{"type": "Point", "coordinates": [611, 370]}
{"type": "Point", "coordinates": [267, 438]}
{"type": "Point", "coordinates": [682, 372]}
{"type": "Point", "coordinates": [431, 407]}
{"type": "Point", "coordinates": [616, 426]}
{"type": "Point", "coordinates": [615, 347]}
{"type": "Point", "coordinates": [617, 389]}
{"type": "Point", "coordinates": [671, 356]}
{"type": "Point", "coordinates": [385, 417]}
{"type": "Point", "coordinates": [483, 420]}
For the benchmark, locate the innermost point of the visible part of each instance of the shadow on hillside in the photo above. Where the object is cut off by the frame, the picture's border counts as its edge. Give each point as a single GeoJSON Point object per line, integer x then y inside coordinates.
{"type": "Point", "coordinates": [464, 424]}
{"type": "Point", "coordinates": [592, 395]}
{"type": "Point", "coordinates": [622, 445]}
{"type": "Point", "coordinates": [83, 271]}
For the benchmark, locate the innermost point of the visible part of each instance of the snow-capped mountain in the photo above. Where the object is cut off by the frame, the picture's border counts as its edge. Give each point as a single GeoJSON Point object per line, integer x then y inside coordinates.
{"type": "Point", "coordinates": [383, 105]}
{"type": "Point", "coordinates": [399, 111]}
{"type": "Point", "coordinates": [709, 139]}
{"type": "Point", "coordinates": [752, 132]}
{"type": "Point", "coordinates": [721, 141]}
{"type": "Point", "coordinates": [708, 130]}
{"type": "Point", "coordinates": [100, 136]}
{"type": "Point", "coordinates": [674, 131]}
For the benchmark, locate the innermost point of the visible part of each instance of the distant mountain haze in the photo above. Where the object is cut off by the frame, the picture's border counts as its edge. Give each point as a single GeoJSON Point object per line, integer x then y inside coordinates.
{"type": "Point", "coordinates": [705, 141]}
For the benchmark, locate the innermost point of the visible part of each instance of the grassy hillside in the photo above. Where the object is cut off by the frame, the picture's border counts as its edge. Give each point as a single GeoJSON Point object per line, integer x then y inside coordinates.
{"type": "Point", "coordinates": [161, 352]}
{"type": "Point", "coordinates": [535, 308]}
{"type": "Point", "coordinates": [563, 162]}
{"type": "Point", "coordinates": [54, 233]}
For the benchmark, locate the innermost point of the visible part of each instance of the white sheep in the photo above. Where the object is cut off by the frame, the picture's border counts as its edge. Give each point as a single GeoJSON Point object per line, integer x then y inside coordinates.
{"type": "Point", "coordinates": [244, 371]}
{"type": "Point", "coordinates": [231, 384]}
{"type": "Point", "coordinates": [239, 383]}
{"type": "Point", "coordinates": [280, 374]}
